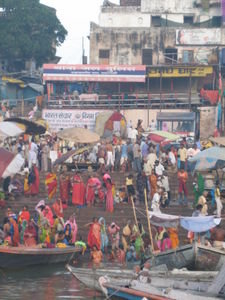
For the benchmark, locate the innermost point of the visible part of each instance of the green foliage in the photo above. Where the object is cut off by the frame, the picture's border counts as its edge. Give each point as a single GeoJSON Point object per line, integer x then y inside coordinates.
{"type": "Point", "coordinates": [29, 30]}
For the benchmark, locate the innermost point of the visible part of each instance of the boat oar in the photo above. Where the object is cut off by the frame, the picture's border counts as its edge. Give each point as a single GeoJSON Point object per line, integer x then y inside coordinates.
{"type": "Point", "coordinates": [148, 219]}
{"type": "Point", "coordinates": [134, 211]}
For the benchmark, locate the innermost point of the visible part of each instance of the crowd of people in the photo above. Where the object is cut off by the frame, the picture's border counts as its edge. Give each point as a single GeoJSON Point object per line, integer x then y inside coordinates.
{"type": "Point", "coordinates": [145, 167]}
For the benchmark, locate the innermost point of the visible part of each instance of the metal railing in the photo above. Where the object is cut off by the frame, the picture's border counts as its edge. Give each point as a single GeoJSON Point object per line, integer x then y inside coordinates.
{"type": "Point", "coordinates": [130, 101]}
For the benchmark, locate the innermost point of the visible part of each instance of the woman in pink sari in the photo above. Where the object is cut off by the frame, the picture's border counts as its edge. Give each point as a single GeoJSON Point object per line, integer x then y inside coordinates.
{"type": "Point", "coordinates": [73, 224]}
{"type": "Point", "coordinates": [109, 196]}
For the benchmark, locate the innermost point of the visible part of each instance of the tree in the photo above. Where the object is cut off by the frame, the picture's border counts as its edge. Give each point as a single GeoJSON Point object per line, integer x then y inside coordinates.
{"type": "Point", "coordinates": [29, 30]}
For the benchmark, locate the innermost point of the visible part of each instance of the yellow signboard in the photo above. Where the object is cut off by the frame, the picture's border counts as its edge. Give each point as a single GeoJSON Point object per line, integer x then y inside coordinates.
{"type": "Point", "coordinates": [168, 72]}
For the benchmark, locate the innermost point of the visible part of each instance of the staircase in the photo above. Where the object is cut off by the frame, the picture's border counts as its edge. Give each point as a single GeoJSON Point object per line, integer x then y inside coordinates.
{"type": "Point", "coordinates": [122, 212]}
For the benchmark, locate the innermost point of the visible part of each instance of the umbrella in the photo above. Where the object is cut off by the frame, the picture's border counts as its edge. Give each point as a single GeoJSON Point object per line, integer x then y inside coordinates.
{"type": "Point", "coordinates": [30, 126]}
{"type": "Point", "coordinates": [10, 129]}
{"type": "Point", "coordinates": [162, 136]}
{"type": "Point", "coordinates": [69, 154]}
{"type": "Point", "coordinates": [211, 158]}
{"type": "Point", "coordinates": [79, 135]}
{"type": "Point", "coordinates": [10, 163]}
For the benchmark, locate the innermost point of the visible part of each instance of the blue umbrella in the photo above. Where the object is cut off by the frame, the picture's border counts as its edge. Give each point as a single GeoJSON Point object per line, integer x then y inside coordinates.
{"type": "Point", "coordinates": [211, 158]}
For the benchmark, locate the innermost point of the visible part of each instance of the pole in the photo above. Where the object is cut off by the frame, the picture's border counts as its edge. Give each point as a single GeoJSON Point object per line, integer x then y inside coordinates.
{"type": "Point", "coordinates": [134, 211]}
{"type": "Point", "coordinates": [160, 89]}
{"type": "Point", "coordinates": [119, 94]}
{"type": "Point", "coordinates": [148, 99]}
{"type": "Point", "coordinates": [190, 83]}
{"type": "Point", "coordinates": [148, 219]}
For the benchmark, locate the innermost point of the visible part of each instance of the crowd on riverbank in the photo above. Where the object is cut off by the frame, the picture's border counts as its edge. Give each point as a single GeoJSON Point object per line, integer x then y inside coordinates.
{"type": "Point", "coordinates": [145, 167]}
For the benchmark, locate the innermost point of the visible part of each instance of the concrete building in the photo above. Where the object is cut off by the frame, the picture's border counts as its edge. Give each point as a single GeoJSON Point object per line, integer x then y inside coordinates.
{"type": "Point", "coordinates": [179, 41]}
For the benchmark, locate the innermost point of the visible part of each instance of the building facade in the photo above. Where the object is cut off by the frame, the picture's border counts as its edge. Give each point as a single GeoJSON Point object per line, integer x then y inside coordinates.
{"type": "Point", "coordinates": [176, 40]}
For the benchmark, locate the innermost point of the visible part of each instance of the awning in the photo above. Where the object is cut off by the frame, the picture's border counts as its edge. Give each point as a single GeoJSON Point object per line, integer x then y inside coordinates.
{"type": "Point", "coordinates": [181, 116]}
{"type": "Point", "coordinates": [94, 73]}
{"type": "Point", "coordinates": [194, 224]}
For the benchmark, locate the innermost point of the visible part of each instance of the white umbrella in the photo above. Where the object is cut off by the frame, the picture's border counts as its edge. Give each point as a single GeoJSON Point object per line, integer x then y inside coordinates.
{"type": "Point", "coordinates": [10, 163]}
{"type": "Point", "coordinates": [9, 129]}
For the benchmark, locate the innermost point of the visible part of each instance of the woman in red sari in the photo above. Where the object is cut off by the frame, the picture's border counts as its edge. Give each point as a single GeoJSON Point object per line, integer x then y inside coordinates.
{"type": "Point", "coordinates": [51, 184]}
{"type": "Point", "coordinates": [94, 235]}
{"type": "Point", "coordinates": [64, 186]}
{"type": "Point", "coordinates": [30, 235]}
{"type": "Point", "coordinates": [58, 208]}
{"type": "Point", "coordinates": [34, 181]}
{"type": "Point", "coordinates": [78, 195]}
{"type": "Point", "coordinates": [90, 191]}
{"type": "Point", "coordinates": [109, 196]}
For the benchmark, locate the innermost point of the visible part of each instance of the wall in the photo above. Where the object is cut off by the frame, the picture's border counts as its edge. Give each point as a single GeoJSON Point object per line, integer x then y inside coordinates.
{"type": "Point", "coordinates": [207, 121]}
{"type": "Point", "coordinates": [178, 6]}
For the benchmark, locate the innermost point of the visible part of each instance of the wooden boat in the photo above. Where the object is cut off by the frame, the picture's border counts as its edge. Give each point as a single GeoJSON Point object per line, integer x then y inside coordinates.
{"type": "Point", "coordinates": [90, 277]}
{"type": "Point", "coordinates": [18, 257]}
{"type": "Point", "coordinates": [182, 257]}
{"type": "Point", "coordinates": [208, 258]}
{"type": "Point", "coordinates": [133, 294]}
{"type": "Point", "coordinates": [168, 287]}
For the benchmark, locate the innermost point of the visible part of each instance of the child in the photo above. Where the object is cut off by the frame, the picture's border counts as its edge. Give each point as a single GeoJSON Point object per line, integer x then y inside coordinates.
{"type": "Point", "coordinates": [96, 255]}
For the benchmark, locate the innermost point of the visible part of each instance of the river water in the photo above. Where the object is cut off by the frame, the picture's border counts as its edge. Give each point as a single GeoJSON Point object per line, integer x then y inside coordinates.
{"type": "Point", "coordinates": [43, 283]}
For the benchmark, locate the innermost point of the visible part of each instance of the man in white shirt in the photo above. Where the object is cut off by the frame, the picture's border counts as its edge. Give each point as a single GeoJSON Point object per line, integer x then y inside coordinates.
{"type": "Point", "coordinates": [159, 169]}
{"type": "Point", "coordinates": [172, 158]}
{"type": "Point", "coordinates": [134, 134]}
{"type": "Point", "coordinates": [33, 154]}
{"type": "Point", "coordinates": [156, 202]}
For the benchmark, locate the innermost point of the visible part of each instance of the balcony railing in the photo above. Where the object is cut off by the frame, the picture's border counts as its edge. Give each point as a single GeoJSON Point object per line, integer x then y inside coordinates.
{"type": "Point", "coordinates": [131, 101]}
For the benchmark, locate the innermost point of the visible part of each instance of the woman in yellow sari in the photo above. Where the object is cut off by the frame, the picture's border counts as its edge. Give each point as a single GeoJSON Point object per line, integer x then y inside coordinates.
{"type": "Point", "coordinates": [51, 184]}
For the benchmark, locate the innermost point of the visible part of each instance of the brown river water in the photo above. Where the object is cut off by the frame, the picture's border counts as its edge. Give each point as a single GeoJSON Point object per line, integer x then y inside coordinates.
{"type": "Point", "coordinates": [43, 283]}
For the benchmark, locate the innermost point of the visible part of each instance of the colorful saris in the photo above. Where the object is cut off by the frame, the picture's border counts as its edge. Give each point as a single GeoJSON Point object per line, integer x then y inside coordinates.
{"type": "Point", "coordinates": [30, 235]}
{"type": "Point", "coordinates": [173, 233]}
{"type": "Point", "coordinates": [47, 213]}
{"type": "Point", "coordinates": [34, 184]}
{"type": "Point", "coordinates": [90, 191]}
{"type": "Point", "coordinates": [104, 237]}
{"type": "Point", "coordinates": [14, 233]}
{"type": "Point", "coordinates": [73, 224]}
{"type": "Point", "coordinates": [109, 197]}
{"type": "Point", "coordinates": [78, 196]}
{"type": "Point", "coordinates": [114, 232]}
{"type": "Point", "coordinates": [153, 184]}
{"type": "Point", "coordinates": [94, 235]}
{"type": "Point", "coordinates": [51, 184]}
{"type": "Point", "coordinates": [58, 208]}
{"type": "Point", "coordinates": [126, 237]}
{"type": "Point", "coordinates": [64, 187]}
{"type": "Point", "coordinates": [26, 187]}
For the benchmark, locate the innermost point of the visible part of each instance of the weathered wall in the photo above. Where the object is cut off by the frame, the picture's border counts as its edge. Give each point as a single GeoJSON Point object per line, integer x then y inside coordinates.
{"type": "Point", "coordinates": [130, 2]}
{"type": "Point", "coordinates": [207, 121]}
{"type": "Point", "coordinates": [178, 6]}
{"type": "Point", "coordinates": [126, 44]}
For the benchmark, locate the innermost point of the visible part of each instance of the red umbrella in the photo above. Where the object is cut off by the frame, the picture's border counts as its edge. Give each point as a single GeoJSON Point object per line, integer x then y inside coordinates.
{"type": "Point", "coordinates": [10, 163]}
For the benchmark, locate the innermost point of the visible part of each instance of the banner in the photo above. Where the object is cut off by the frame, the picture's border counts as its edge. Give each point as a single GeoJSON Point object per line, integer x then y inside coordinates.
{"type": "Point", "coordinates": [223, 10]}
{"type": "Point", "coordinates": [168, 72]}
{"type": "Point", "coordinates": [211, 36]}
{"type": "Point", "coordinates": [94, 73]}
{"type": "Point", "coordinates": [61, 119]}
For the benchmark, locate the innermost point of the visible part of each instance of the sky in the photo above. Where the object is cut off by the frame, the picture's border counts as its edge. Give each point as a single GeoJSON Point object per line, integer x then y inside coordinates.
{"type": "Point", "coordinates": [75, 15]}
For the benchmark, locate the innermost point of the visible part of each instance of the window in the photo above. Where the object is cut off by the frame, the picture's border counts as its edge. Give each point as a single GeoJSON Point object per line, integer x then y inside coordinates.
{"type": "Point", "coordinates": [171, 56]}
{"type": "Point", "coordinates": [104, 56]}
{"type": "Point", "coordinates": [103, 53]}
{"type": "Point", "coordinates": [216, 21]}
{"type": "Point", "coordinates": [188, 56]}
{"type": "Point", "coordinates": [156, 21]}
{"type": "Point", "coordinates": [147, 57]}
{"type": "Point", "coordinates": [188, 20]}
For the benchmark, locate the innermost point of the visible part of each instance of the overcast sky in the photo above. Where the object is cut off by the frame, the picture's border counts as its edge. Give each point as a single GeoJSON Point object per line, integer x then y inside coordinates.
{"type": "Point", "coordinates": [75, 15]}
